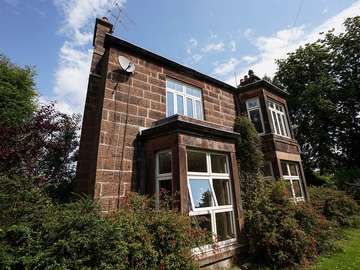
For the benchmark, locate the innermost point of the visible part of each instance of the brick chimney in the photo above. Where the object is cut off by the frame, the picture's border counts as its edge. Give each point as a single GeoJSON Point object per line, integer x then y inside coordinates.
{"type": "Point", "coordinates": [250, 78]}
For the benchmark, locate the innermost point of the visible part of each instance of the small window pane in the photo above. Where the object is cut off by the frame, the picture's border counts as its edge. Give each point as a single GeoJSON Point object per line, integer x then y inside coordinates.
{"type": "Point", "coordinates": [293, 169]}
{"type": "Point", "coordinates": [193, 92]}
{"type": "Point", "coordinates": [285, 126]}
{"type": "Point", "coordinates": [189, 107]}
{"type": "Point", "coordinates": [169, 103]}
{"type": "Point", "coordinates": [256, 120]}
{"type": "Point", "coordinates": [297, 188]}
{"type": "Point", "coordinates": [218, 163]}
{"type": "Point", "coordinates": [224, 226]}
{"type": "Point", "coordinates": [165, 188]}
{"type": "Point", "coordinates": [288, 189]}
{"type": "Point", "coordinates": [164, 162]}
{"type": "Point", "coordinates": [267, 169]}
{"type": "Point", "coordinates": [180, 104]}
{"type": "Point", "coordinates": [196, 161]}
{"type": "Point", "coordinates": [284, 168]}
{"type": "Point", "coordinates": [221, 188]}
{"type": "Point", "coordinates": [179, 87]}
{"type": "Point", "coordinates": [276, 125]}
{"type": "Point", "coordinates": [203, 221]}
{"type": "Point", "coordinates": [198, 108]}
{"type": "Point", "coordinates": [282, 130]}
{"type": "Point", "coordinates": [201, 193]}
{"type": "Point", "coordinates": [254, 103]}
{"type": "Point", "coordinates": [170, 84]}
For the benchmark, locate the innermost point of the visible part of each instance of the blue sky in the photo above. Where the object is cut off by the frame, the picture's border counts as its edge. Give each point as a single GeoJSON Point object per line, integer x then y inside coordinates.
{"type": "Point", "coordinates": [217, 38]}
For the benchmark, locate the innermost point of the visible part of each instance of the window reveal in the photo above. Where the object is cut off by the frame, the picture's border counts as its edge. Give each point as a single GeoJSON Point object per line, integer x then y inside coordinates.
{"type": "Point", "coordinates": [183, 99]}
{"type": "Point", "coordinates": [210, 194]}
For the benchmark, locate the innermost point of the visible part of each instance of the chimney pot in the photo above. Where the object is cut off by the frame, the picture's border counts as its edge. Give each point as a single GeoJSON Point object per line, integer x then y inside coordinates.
{"type": "Point", "coordinates": [105, 19]}
{"type": "Point", "coordinates": [251, 72]}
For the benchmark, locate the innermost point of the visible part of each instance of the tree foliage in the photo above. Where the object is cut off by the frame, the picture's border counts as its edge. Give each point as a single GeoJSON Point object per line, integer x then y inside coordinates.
{"type": "Point", "coordinates": [323, 79]}
{"type": "Point", "coordinates": [17, 92]}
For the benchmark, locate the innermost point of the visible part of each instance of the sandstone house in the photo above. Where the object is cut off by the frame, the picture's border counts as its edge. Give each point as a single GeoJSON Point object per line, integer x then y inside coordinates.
{"type": "Point", "coordinates": [167, 126]}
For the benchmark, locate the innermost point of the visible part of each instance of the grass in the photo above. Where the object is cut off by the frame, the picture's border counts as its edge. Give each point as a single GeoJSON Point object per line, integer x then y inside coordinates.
{"type": "Point", "coordinates": [348, 259]}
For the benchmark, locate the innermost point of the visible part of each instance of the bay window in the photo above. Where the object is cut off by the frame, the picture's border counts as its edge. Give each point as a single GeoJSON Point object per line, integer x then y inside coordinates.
{"type": "Point", "coordinates": [291, 174]}
{"type": "Point", "coordinates": [278, 119]}
{"type": "Point", "coordinates": [255, 115]}
{"type": "Point", "coordinates": [183, 99]}
{"type": "Point", "coordinates": [209, 186]}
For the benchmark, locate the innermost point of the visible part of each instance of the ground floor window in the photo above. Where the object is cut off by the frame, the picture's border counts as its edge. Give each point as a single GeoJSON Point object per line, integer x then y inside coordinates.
{"type": "Point", "coordinates": [291, 174]}
{"type": "Point", "coordinates": [211, 202]}
{"type": "Point", "coordinates": [267, 169]}
{"type": "Point", "coordinates": [163, 175]}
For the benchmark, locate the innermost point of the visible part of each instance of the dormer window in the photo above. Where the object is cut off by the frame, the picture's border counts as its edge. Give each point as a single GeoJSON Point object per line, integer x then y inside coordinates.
{"type": "Point", "coordinates": [278, 119]}
{"type": "Point", "coordinates": [183, 99]}
{"type": "Point", "coordinates": [254, 114]}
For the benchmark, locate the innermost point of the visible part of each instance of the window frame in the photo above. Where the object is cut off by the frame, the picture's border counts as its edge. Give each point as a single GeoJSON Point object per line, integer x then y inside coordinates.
{"type": "Point", "coordinates": [212, 210]}
{"type": "Point", "coordinates": [290, 178]}
{"type": "Point", "coordinates": [282, 121]}
{"type": "Point", "coordinates": [185, 97]}
{"type": "Point", "coordinates": [258, 107]}
{"type": "Point", "coordinates": [162, 177]}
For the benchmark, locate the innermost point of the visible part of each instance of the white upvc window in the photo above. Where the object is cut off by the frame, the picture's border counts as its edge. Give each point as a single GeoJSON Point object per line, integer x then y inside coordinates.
{"type": "Point", "coordinates": [163, 175]}
{"type": "Point", "coordinates": [291, 173]}
{"type": "Point", "coordinates": [211, 200]}
{"type": "Point", "coordinates": [279, 120]}
{"type": "Point", "coordinates": [255, 114]}
{"type": "Point", "coordinates": [183, 99]}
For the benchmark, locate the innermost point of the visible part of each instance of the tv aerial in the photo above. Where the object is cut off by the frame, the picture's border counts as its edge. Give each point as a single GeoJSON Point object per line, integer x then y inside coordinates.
{"type": "Point", "coordinates": [126, 64]}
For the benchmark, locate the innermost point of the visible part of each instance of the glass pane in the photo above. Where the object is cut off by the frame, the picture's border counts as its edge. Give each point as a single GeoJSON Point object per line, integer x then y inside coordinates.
{"type": "Point", "coordinates": [221, 188]}
{"type": "Point", "coordinates": [196, 161]}
{"type": "Point", "coordinates": [201, 192]}
{"type": "Point", "coordinates": [256, 120]}
{"type": "Point", "coordinates": [282, 130]}
{"type": "Point", "coordinates": [288, 189]}
{"type": "Point", "coordinates": [297, 188]}
{"type": "Point", "coordinates": [224, 226]}
{"type": "Point", "coordinates": [284, 168]}
{"type": "Point", "coordinates": [179, 87]}
{"type": "Point", "coordinates": [180, 104]}
{"type": "Point", "coordinates": [276, 125]}
{"type": "Point", "coordinates": [189, 107]}
{"type": "Point", "coordinates": [193, 92]}
{"type": "Point", "coordinates": [170, 84]}
{"type": "Point", "coordinates": [293, 169]}
{"type": "Point", "coordinates": [218, 163]}
{"type": "Point", "coordinates": [203, 221]}
{"type": "Point", "coordinates": [165, 188]}
{"type": "Point", "coordinates": [198, 109]}
{"type": "Point", "coordinates": [252, 103]}
{"type": "Point", "coordinates": [164, 162]}
{"type": "Point", "coordinates": [271, 105]}
{"type": "Point", "coordinates": [285, 126]}
{"type": "Point", "coordinates": [169, 103]}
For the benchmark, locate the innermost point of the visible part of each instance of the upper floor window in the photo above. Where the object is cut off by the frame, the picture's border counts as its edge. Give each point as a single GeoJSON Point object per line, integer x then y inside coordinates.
{"type": "Point", "coordinates": [279, 119]}
{"type": "Point", "coordinates": [183, 99]}
{"type": "Point", "coordinates": [255, 115]}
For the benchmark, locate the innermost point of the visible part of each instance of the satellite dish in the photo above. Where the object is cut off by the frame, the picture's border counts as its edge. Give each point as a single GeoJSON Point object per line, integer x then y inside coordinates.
{"type": "Point", "coordinates": [126, 64]}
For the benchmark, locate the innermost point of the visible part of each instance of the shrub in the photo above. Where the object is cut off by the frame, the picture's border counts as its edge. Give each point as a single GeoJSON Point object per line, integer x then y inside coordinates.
{"type": "Point", "coordinates": [275, 236]}
{"type": "Point", "coordinates": [335, 205]}
{"type": "Point", "coordinates": [37, 233]}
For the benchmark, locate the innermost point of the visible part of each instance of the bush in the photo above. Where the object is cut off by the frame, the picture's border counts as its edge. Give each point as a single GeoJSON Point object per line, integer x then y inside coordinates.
{"type": "Point", "coordinates": [335, 205]}
{"type": "Point", "coordinates": [348, 179]}
{"type": "Point", "coordinates": [37, 233]}
{"type": "Point", "coordinates": [276, 237]}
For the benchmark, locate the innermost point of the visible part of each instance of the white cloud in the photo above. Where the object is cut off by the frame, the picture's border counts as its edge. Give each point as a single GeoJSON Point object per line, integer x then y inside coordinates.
{"type": "Point", "coordinates": [71, 76]}
{"type": "Point", "coordinates": [249, 59]}
{"type": "Point", "coordinates": [196, 58]}
{"type": "Point", "coordinates": [277, 45]}
{"type": "Point", "coordinates": [232, 45]}
{"type": "Point", "coordinates": [193, 42]}
{"type": "Point", "coordinates": [226, 68]}
{"type": "Point", "coordinates": [214, 47]}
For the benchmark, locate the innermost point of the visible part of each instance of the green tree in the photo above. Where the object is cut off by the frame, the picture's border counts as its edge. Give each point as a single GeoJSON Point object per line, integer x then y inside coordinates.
{"type": "Point", "coordinates": [17, 92]}
{"type": "Point", "coordinates": [323, 81]}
